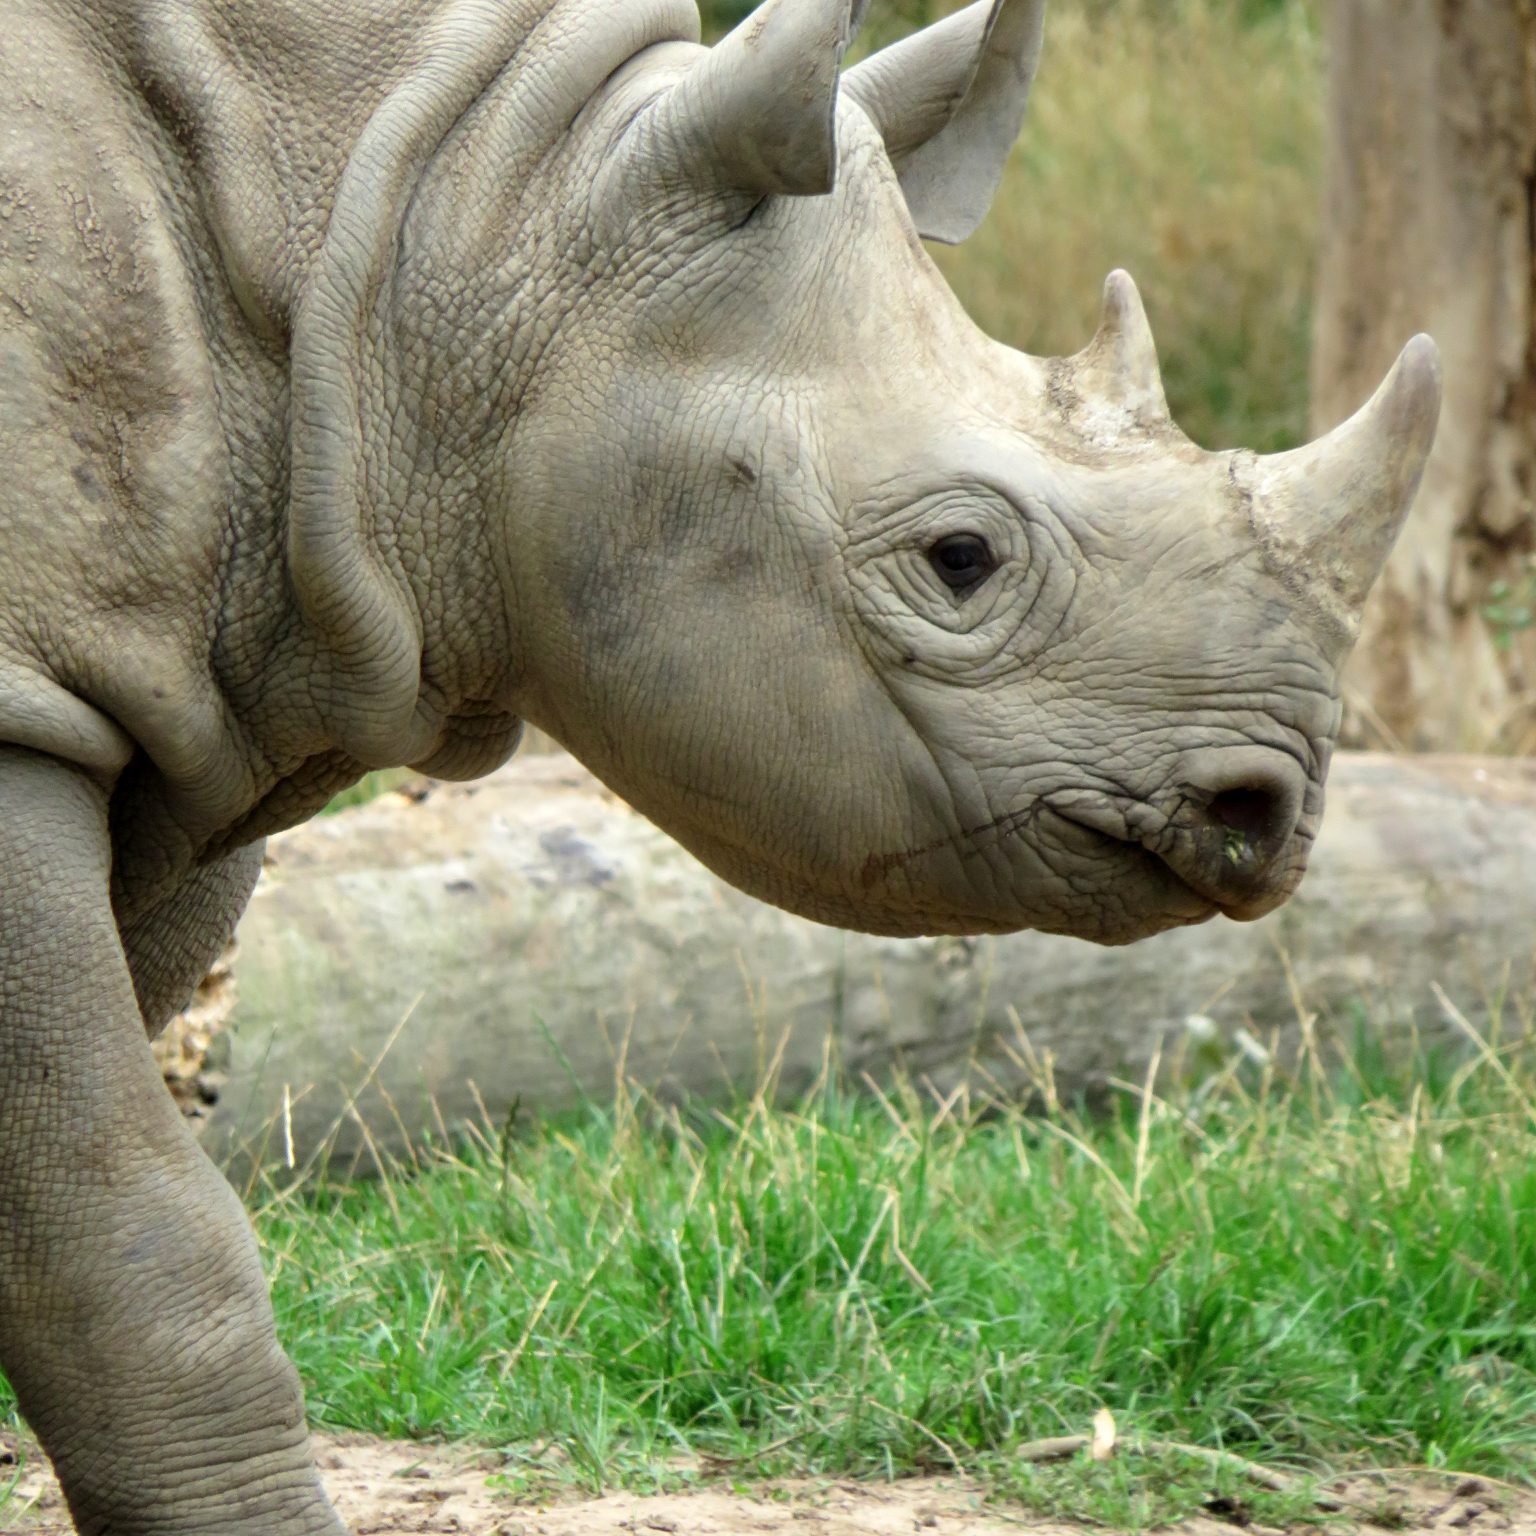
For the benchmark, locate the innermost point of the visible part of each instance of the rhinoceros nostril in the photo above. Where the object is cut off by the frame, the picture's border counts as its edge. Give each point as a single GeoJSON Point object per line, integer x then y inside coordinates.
{"type": "Point", "coordinates": [1229, 835]}
{"type": "Point", "coordinates": [1255, 812]}
{"type": "Point", "coordinates": [1242, 803]}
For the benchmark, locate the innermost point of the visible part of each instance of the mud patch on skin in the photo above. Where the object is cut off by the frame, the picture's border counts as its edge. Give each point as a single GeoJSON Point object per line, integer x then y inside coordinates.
{"type": "Point", "coordinates": [392, 1488]}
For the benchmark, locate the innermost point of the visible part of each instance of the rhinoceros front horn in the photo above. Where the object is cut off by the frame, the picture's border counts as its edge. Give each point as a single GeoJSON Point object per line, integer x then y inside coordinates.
{"type": "Point", "coordinates": [1329, 513]}
{"type": "Point", "coordinates": [757, 114]}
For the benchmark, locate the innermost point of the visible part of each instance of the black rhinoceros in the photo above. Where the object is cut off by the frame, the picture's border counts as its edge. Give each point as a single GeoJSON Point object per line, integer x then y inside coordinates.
{"type": "Point", "coordinates": [377, 374]}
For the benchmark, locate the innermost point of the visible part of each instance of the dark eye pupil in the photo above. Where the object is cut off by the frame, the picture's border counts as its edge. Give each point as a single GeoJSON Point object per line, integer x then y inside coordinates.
{"type": "Point", "coordinates": [961, 560]}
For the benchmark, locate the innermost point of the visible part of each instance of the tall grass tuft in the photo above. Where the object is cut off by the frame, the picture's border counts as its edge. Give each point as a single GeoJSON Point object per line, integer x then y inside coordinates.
{"type": "Point", "coordinates": [1323, 1273]}
{"type": "Point", "coordinates": [1334, 1272]}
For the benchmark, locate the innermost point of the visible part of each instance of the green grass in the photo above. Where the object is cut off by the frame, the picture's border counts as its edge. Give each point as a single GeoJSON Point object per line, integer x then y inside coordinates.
{"type": "Point", "coordinates": [876, 1287]}
{"type": "Point", "coordinates": [1334, 1273]}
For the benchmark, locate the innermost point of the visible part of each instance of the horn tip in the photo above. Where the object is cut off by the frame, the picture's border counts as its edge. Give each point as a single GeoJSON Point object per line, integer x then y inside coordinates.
{"type": "Point", "coordinates": [1120, 295]}
{"type": "Point", "coordinates": [1123, 315]}
{"type": "Point", "coordinates": [1414, 387]}
{"type": "Point", "coordinates": [1420, 361]}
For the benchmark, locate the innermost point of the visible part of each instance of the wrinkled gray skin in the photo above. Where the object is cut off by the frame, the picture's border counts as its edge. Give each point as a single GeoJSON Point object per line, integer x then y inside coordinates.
{"type": "Point", "coordinates": [376, 375]}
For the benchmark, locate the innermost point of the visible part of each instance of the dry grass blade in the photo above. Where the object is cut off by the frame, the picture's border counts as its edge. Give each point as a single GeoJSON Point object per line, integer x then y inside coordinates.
{"type": "Point", "coordinates": [1486, 1053]}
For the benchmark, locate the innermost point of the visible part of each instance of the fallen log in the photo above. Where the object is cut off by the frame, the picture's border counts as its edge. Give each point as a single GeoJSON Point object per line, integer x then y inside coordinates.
{"type": "Point", "coordinates": [528, 940]}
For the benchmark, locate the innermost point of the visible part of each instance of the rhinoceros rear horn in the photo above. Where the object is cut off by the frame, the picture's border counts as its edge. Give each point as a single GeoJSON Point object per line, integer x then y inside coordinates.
{"type": "Point", "coordinates": [757, 114]}
{"type": "Point", "coordinates": [949, 102]}
{"type": "Point", "coordinates": [1330, 512]}
{"type": "Point", "coordinates": [1119, 366]}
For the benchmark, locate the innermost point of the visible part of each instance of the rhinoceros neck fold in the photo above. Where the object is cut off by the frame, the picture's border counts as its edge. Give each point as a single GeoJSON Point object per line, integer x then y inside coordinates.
{"type": "Point", "coordinates": [373, 392]}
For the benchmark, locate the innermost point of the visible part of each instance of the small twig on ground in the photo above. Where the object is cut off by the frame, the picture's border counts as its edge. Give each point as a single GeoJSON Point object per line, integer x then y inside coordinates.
{"type": "Point", "coordinates": [1059, 1447]}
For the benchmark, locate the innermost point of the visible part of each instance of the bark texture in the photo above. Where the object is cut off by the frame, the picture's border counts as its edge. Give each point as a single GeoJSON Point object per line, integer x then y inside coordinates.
{"type": "Point", "coordinates": [1430, 226]}
{"type": "Point", "coordinates": [407, 968]}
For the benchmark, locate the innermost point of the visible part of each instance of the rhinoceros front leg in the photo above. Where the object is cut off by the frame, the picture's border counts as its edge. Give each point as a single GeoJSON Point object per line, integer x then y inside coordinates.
{"type": "Point", "coordinates": [134, 1321]}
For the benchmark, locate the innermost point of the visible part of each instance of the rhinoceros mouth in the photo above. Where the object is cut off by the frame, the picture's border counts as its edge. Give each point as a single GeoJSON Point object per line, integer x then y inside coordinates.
{"type": "Point", "coordinates": [1180, 901]}
{"type": "Point", "coordinates": [1241, 877]}
{"type": "Point", "coordinates": [1120, 890]}
{"type": "Point", "coordinates": [1134, 891]}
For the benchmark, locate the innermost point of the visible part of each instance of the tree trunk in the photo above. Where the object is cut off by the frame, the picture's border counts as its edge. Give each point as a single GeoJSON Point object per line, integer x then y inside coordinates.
{"type": "Point", "coordinates": [1430, 226]}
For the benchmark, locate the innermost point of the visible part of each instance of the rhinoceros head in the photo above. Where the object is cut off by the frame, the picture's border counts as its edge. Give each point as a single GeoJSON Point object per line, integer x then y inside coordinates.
{"type": "Point", "coordinates": [888, 623]}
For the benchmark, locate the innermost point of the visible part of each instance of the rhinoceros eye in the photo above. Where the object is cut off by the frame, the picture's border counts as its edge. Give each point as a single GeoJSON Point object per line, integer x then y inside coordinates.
{"type": "Point", "coordinates": [962, 560]}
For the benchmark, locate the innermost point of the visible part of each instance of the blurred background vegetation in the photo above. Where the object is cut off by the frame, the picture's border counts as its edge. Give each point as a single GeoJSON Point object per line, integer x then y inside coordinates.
{"type": "Point", "coordinates": [1182, 140]}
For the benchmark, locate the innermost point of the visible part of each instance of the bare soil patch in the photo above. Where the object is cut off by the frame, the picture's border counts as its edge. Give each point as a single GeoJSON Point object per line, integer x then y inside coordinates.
{"type": "Point", "coordinates": [390, 1488]}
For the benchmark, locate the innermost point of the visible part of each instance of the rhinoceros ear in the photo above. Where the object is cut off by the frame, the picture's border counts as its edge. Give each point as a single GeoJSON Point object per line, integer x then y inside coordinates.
{"type": "Point", "coordinates": [949, 101]}
{"type": "Point", "coordinates": [757, 113]}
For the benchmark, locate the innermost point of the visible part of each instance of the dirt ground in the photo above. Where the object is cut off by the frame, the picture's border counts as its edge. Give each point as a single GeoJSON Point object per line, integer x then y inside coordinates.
{"type": "Point", "coordinates": [385, 1488]}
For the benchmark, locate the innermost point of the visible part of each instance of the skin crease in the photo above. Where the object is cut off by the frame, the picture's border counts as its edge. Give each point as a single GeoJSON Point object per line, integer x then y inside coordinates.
{"type": "Point", "coordinates": [378, 374]}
